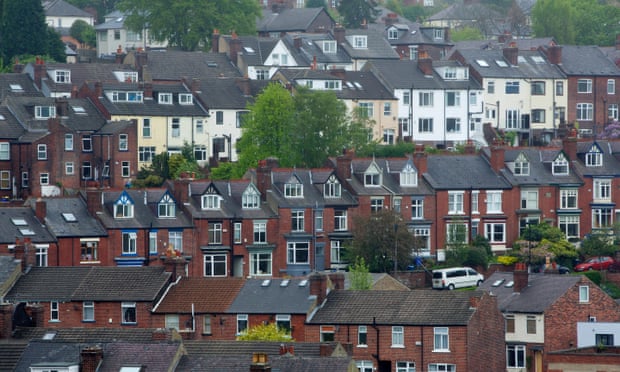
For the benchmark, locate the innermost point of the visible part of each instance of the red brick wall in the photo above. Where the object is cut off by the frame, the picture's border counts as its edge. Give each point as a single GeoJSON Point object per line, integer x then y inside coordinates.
{"type": "Point", "coordinates": [70, 315]}
{"type": "Point", "coordinates": [485, 336]}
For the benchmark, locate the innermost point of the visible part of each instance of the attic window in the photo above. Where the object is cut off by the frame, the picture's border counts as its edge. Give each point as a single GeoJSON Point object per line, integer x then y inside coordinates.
{"type": "Point", "coordinates": [284, 283]}
{"type": "Point", "coordinates": [510, 284]}
{"type": "Point", "coordinates": [594, 157]}
{"type": "Point", "coordinates": [392, 33]}
{"type": "Point", "coordinates": [538, 59]}
{"type": "Point", "coordinates": [26, 231]}
{"type": "Point", "coordinates": [497, 283]}
{"type": "Point", "coordinates": [49, 336]}
{"type": "Point", "coordinates": [360, 42]}
{"type": "Point", "coordinates": [79, 109]}
{"type": "Point", "coordinates": [69, 217]}
{"type": "Point", "coordinates": [16, 88]}
{"type": "Point", "coordinates": [186, 98]}
{"type": "Point", "coordinates": [44, 112]}
{"type": "Point", "coordinates": [249, 50]}
{"type": "Point", "coordinates": [521, 59]}
{"type": "Point", "coordinates": [329, 46]}
{"type": "Point", "coordinates": [303, 283]}
{"type": "Point", "coordinates": [18, 221]}
{"type": "Point", "coordinates": [482, 63]}
{"type": "Point", "coordinates": [62, 76]}
{"type": "Point", "coordinates": [501, 63]}
{"type": "Point", "coordinates": [265, 283]}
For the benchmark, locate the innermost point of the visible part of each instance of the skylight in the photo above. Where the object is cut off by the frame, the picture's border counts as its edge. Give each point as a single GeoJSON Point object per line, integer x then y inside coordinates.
{"type": "Point", "coordinates": [501, 63]}
{"type": "Point", "coordinates": [16, 88]}
{"type": "Point", "coordinates": [49, 336]}
{"type": "Point", "coordinates": [79, 109]}
{"type": "Point", "coordinates": [26, 231]}
{"type": "Point", "coordinates": [510, 284]}
{"type": "Point", "coordinates": [498, 282]}
{"type": "Point", "coordinates": [69, 217]}
{"type": "Point", "coordinates": [265, 283]}
{"type": "Point", "coordinates": [284, 283]}
{"type": "Point", "coordinates": [19, 221]}
{"type": "Point", "coordinates": [482, 63]}
{"type": "Point", "coordinates": [303, 283]}
{"type": "Point", "coordinates": [249, 50]}
{"type": "Point", "coordinates": [538, 59]}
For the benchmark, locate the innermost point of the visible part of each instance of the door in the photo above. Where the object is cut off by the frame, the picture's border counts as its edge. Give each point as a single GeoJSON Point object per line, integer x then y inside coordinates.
{"type": "Point", "coordinates": [319, 257]}
{"type": "Point", "coordinates": [238, 266]}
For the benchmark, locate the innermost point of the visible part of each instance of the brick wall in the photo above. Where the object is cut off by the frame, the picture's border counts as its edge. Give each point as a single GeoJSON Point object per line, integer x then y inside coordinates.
{"type": "Point", "coordinates": [486, 352]}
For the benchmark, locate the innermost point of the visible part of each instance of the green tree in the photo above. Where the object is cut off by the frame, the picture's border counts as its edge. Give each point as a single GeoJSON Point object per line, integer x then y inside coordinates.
{"type": "Point", "coordinates": [188, 24]}
{"type": "Point", "coordinates": [102, 7]}
{"type": "Point", "coordinates": [546, 241]}
{"type": "Point", "coordinates": [265, 332]}
{"type": "Point", "coordinates": [554, 18]}
{"type": "Point", "coordinates": [466, 33]}
{"type": "Point", "coordinates": [83, 32]}
{"type": "Point", "coordinates": [23, 29]}
{"type": "Point", "coordinates": [54, 47]}
{"type": "Point", "coordinates": [598, 243]}
{"type": "Point", "coordinates": [356, 12]}
{"type": "Point", "coordinates": [360, 275]}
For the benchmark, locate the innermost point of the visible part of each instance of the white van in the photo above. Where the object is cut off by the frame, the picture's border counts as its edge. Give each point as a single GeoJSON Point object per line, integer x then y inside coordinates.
{"type": "Point", "coordinates": [456, 277]}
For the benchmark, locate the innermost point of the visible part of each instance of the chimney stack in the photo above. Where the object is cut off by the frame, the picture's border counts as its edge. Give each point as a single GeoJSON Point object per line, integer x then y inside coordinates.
{"type": "Point", "coordinates": [425, 65]}
{"type": "Point", "coordinates": [41, 210]}
{"type": "Point", "coordinates": [119, 55]}
{"type": "Point", "coordinates": [297, 42]}
{"type": "Point", "coordinates": [263, 175]}
{"type": "Point", "coordinates": [260, 363]}
{"type": "Point", "coordinates": [148, 90]}
{"type": "Point", "coordinates": [391, 19]}
{"type": "Point", "coordinates": [62, 107]}
{"type": "Point", "coordinates": [343, 164]}
{"type": "Point", "coordinates": [234, 48]}
{"type": "Point", "coordinates": [339, 33]}
{"type": "Point", "coordinates": [244, 85]}
{"type": "Point", "coordinates": [91, 358]}
{"type": "Point", "coordinates": [420, 159]}
{"type": "Point", "coordinates": [554, 54]}
{"type": "Point", "coordinates": [318, 287]}
{"type": "Point", "coordinates": [94, 201]}
{"type": "Point", "coordinates": [215, 41]}
{"type": "Point", "coordinates": [39, 71]}
{"type": "Point", "coordinates": [511, 53]}
{"type": "Point", "coordinates": [497, 156]}
{"type": "Point", "coordinates": [98, 89]}
{"type": "Point", "coordinates": [520, 277]}
{"type": "Point", "coordinates": [337, 280]}
{"type": "Point", "coordinates": [569, 145]}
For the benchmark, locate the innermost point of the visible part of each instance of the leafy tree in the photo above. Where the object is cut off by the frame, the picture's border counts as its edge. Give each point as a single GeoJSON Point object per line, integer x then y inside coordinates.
{"type": "Point", "coordinates": [360, 275]}
{"type": "Point", "coordinates": [555, 18]}
{"type": "Point", "coordinates": [416, 13]}
{"type": "Point", "coordinates": [376, 239]}
{"type": "Point", "coordinates": [54, 47]}
{"type": "Point", "coordinates": [356, 12]}
{"type": "Point", "coordinates": [315, 4]}
{"type": "Point", "coordinates": [83, 32]}
{"type": "Point", "coordinates": [545, 241]}
{"type": "Point", "coordinates": [188, 24]}
{"type": "Point", "coordinates": [265, 332]}
{"type": "Point", "coordinates": [102, 7]}
{"type": "Point", "coordinates": [466, 33]}
{"type": "Point", "coordinates": [518, 20]}
{"type": "Point", "coordinates": [597, 243]}
{"type": "Point", "coordinates": [475, 254]}
{"type": "Point", "coordinates": [23, 29]}
{"type": "Point", "coordinates": [595, 22]}
{"type": "Point", "coordinates": [611, 131]}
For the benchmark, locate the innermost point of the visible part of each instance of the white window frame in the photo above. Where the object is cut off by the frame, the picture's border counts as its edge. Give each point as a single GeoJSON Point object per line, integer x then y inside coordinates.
{"type": "Point", "coordinates": [455, 202]}
{"type": "Point", "coordinates": [129, 240]}
{"type": "Point", "coordinates": [261, 257]}
{"type": "Point", "coordinates": [41, 151]}
{"type": "Point", "coordinates": [54, 311]}
{"type": "Point", "coordinates": [601, 189]}
{"type": "Point", "coordinates": [214, 260]}
{"type": "Point", "coordinates": [441, 339]}
{"type": "Point", "coordinates": [584, 86]}
{"type": "Point", "coordinates": [88, 311]}
{"type": "Point", "coordinates": [518, 352]}
{"type": "Point", "coordinates": [293, 190]}
{"type": "Point", "coordinates": [210, 201]}
{"type": "Point", "coordinates": [164, 98]}
{"type": "Point", "coordinates": [243, 323]}
{"type": "Point", "coordinates": [125, 317]}
{"type": "Point", "coordinates": [293, 248]}
{"type": "Point", "coordinates": [584, 294]}
{"type": "Point", "coordinates": [398, 336]}
{"type": "Point", "coordinates": [495, 232]}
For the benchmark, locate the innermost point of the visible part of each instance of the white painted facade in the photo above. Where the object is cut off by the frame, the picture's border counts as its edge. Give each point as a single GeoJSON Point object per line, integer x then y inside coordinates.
{"type": "Point", "coordinates": [587, 332]}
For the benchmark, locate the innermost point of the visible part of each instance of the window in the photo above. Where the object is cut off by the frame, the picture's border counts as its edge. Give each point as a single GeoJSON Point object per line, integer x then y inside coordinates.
{"type": "Point", "coordinates": [413, 52]}
{"type": "Point", "coordinates": [515, 356]}
{"type": "Point", "coordinates": [512, 119]}
{"type": "Point", "coordinates": [441, 367]}
{"type": "Point", "coordinates": [298, 253]}
{"type": "Point", "coordinates": [69, 168]}
{"type": "Point", "coordinates": [329, 46]}
{"type": "Point", "coordinates": [283, 322]}
{"type": "Point", "coordinates": [403, 123]}
{"type": "Point", "coordinates": [398, 336]}
{"type": "Point", "coordinates": [494, 202]}
{"type": "Point", "coordinates": [44, 179]}
{"type": "Point", "coordinates": [456, 233]}
{"type": "Point", "coordinates": [123, 208]}
{"type": "Point", "coordinates": [146, 127]}
{"type": "Point", "coordinates": [206, 324]}
{"type": "Point", "coordinates": [495, 232]}
{"type": "Point", "coordinates": [175, 240]}
{"type": "Point", "coordinates": [332, 188]}
{"type": "Point", "coordinates": [215, 233]}
{"type": "Point", "coordinates": [453, 99]}
{"type": "Point", "coordinates": [366, 109]}
{"type": "Point", "coordinates": [237, 235]}
{"type": "Point", "coordinates": [376, 204]}
{"type": "Point", "coordinates": [612, 111]}
{"type": "Point", "coordinates": [5, 151]}
{"type": "Point", "coordinates": [129, 240]}
{"type": "Point", "coordinates": [87, 144]}
{"type": "Point", "coordinates": [336, 252]}
{"type": "Point", "coordinates": [318, 220]}
{"type": "Point", "coordinates": [538, 116]}
{"type": "Point", "coordinates": [559, 165]}
{"type": "Point", "coordinates": [200, 152]}
{"type": "Point", "coordinates": [584, 86]}
{"type": "Point", "coordinates": [509, 322]}
{"type": "Point", "coordinates": [327, 334]}
{"type": "Point", "coordinates": [449, 73]}
{"type": "Point", "coordinates": [405, 366]}
{"type": "Point", "coordinates": [128, 312]}
{"type": "Point", "coordinates": [441, 339]}
{"type": "Point", "coordinates": [417, 209]}
{"type": "Point", "coordinates": [125, 169]}
{"type": "Point", "coordinates": [559, 88]}
{"type": "Point", "coordinates": [438, 33]}
{"type": "Point", "coordinates": [172, 321]}
{"type": "Point", "coordinates": [44, 112]}
{"type": "Point", "coordinates": [123, 142]}
{"type": "Point", "coordinates": [146, 153]}
{"type": "Point", "coordinates": [362, 336]}
{"type": "Point", "coordinates": [601, 217]}
{"type": "Point", "coordinates": [176, 127]}
{"type": "Point", "coordinates": [242, 323]}
{"type": "Point", "coordinates": [260, 232]}
{"type": "Point", "coordinates": [88, 311]}
{"type": "Point", "coordinates": [250, 199]}
{"type": "Point", "coordinates": [388, 136]}
{"type": "Point", "coordinates": [584, 293]}
{"type": "Point", "coordinates": [153, 242]}
{"type": "Point", "coordinates": [569, 225]}
{"type": "Point", "coordinates": [359, 41]}
{"type": "Point", "coordinates": [425, 125]}
{"type": "Point", "coordinates": [406, 98]}
{"type": "Point", "coordinates": [215, 264]}
{"type": "Point", "coordinates": [262, 74]}
{"type": "Point", "coordinates": [210, 201]}
{"type": "Point", "coordinates": [522, 166]}
{"type": "Point", "coordinates": [117, 34]}
{"type": "Point", "coordinates": [455, 202]}
{"type": "Point", "coordinates": [293, 190]}
{"type": "Point", "coordinates": [297, 221]}
{"type": "Point", "coordinates": [529, 199]}
{"type": "Point", "coordinates": [54, 311]}
{"type": "Point", "coordinates": [408, 176]}
{"type": "Point", "coordinates": [118, 96]}
{"type": "Point", "coordinates": [186, 99]}
{"type": "Point", "coordinates": [68, 142]}
{"type": "Point", "coordinates": [512, 87]}
{"type": "Point", "coordinates": [89, 250]}
{"type": "Point", "coordinates": [611, 86]}
{"type": "Point", "coordinates": [538, 88]}
{"type": "Point", "coordinates": [200, 128]}
{"type": "Point", "coordinates": [453, 125]}
{"type": "Point", "coordinates": [602, 189]}
{"type": "Point", "coordinates": [260, 263]}
{"type": "Point", "coordinates": [594, 157]}
{"type": "Point", "coordinates": [42, 152]}
{"type": "Point", "coordinates": [426, 99]}
{"type": "Point", "coordinates": [474, 201]}
{"type": "Point", "coordinates": [340, 220]}
{"type": "Point", "coordinates": [604, 339]}
{"type": "Point", "coordinates": [372, 177]}
{"type": "Point", "coordinates": [219, 117]}
{"type": "Point", "coordinates": [165, 98]}
{"type": "Point", "coordinates": [5, 180]}
{"type": "Point", "coordinates": [491, 87]}
{"type": "Point", "coordinates": [585, 111]}
{"type": "Point", "coordinates": [41, 255]}
{"type": "Point", "coordinates": [531, 325]}
{"type": "Point", "coordinates": [392, 34]}
{"type": "Point", "coordinates": [239, 118]}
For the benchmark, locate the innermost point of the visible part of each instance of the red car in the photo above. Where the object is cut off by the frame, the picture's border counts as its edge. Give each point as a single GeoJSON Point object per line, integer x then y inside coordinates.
{"type": "Point", "coordinates": [595, 263]}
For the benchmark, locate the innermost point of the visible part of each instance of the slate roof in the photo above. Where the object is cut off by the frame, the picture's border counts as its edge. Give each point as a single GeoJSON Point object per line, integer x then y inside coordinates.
{"type": "Point", "coordinates": [84, 225]}
{"type": "Point", "coordinates": [416, 307]}
{"type": "Point", "coordinates": [280, 296]}
{"type": "Point", "coordinates": [587, 60]}
{"type": "Point", "coordinates": [227, 363]}
{"type": "Point", "coordinates": [82, 73]}
{"type": "Point", "coordinates": [10, 128]}
{"type": "Point", "coordinates": [45, 353]}
{"type": "Point", "coordinates": [207, 295]}
{"type": "Point", "coordinates": [611, 163]}
{"type": "Point", "coordinates": [174, 65]}
{"type": "Point", "coordinates": [526, 67]}
{"type": "Point", "coordinates": [60, 8]}
{"type": "Point", "coordinates": [224, 93]}
{"type": "Point", "coordinates": [542, 291]}
{"type": "Point", "coordinates": [150, 356]}
{"type": "Point", "coordinates": [10, 353]}
{"type": "Point", "coordinates": [462, 172]}
{"type": "Point", "coordinates": [144, 211]}
{"type": "Point", "coordinates": [254, 49]}
{"type": "Point", "coordinates": [8, 268]}
{"type": "Point", "coordinates": [310, 48]}
{"type": "Point", "coordinates": [85, 335]}
{"type": "Point", "coordinates": [89, 283]}
{"type": "Point", "coordinates": [33, 228]}
{"type": "Point", "coordinates": [114, 20]}
{"type": "Point", "coordinates": [377, 47]}
{"type": "Point", "coordinates": [540, 160]}
{"type": "Point", "coordinates": [22, 80]}
{"type": "Point", "coordinates": [292, 19]}
{"type": "Point", "coordinates": [194, 347]}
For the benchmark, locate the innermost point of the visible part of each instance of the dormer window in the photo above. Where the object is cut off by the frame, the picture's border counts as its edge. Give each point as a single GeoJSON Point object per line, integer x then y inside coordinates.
{"type": "Point", "coordinates": [438, 34]}
{"type": "Point", "coordinates": [211, 201]}
{"type": "Point", "coordinates": [450, 73]}
{"type": "Point", "coordinates": [560, 166]}
{"type": "Point", "coordinates": [166, 207]}
{"type": "Point", "coordinates": [120, 96]}
{"type": "Point", "coordinates": [165, 98]}
{"type": "Point", "coordinates": [392, 34]}
{"type": "Point", "coordinates": [250, 198]}
{"type": "Point", "coordinates": [522, 166]}
{"type": "Point", "coordinates": [332, 188]}
{"type": "Point", "coordinates": [329, 47]}
{"type": "Point", "coordinates": [123, 208]}
{"type": "Point", "coordinates": [372, 176]}
{"type": "Point", "coordinates": [44, 112]}
{"type": "Point", "coordinates": [62, 76]}
{"type": "Point", "coordinates": [408, 176]}
{"type": "Point", "coordinates": [594, 157]}
{"type": "Point", "coordinates": [186, 99]}
{"type": "Point", "coordinates": [293, 189]}
{"type": "Point", "coordinates": [126, 76]}
{"type": "Point", "coordinates": [360, 42]}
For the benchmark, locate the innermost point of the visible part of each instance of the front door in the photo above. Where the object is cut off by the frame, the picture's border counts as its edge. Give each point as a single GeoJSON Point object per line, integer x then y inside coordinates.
{"type": "Point", "coordinates": [319, 257]}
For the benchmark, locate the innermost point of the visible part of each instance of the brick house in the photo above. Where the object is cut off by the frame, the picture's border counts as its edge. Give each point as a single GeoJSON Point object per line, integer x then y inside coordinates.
{"type": "Point", "coordinates": [24, 236]}
{"type": "Point", "coordinates": [69, 297]}
{"type": "Point", "coordinates": [405, 330]}
{"type": "Point", "coordinates": [543, 317]}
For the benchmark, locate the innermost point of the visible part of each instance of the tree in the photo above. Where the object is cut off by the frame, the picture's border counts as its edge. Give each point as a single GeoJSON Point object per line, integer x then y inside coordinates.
{"type": "Point", "coordinates": [23, 29]}
{"type": "Point", "coordinates": [265, 332]}
{"type": "Point", "coordinates": [546, 241]}
{"type": "Point", "coordinates": [554, 18]}
{"type": "Point", "coordinates": [379, 239]}
{"type": "Point", "coordinates": [466, 33]}
{"type": "Point", "coordinates": [102, 7]}
{"type": "Point", "coordinates": [356, 12]}
{"type": "Point", "coordinates": [83, 32]}
{"type": "Point", "coordinates": [54, 47]}
{"type": "Point", "coordinates": [598, 243]}
{"type": "Point", "coordinates": [360, 275]}
{"type": "Point", "coordinates": [188, 24]}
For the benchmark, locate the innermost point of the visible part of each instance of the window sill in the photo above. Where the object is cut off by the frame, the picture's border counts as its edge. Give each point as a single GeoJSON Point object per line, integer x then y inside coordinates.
{"type": "Point", "coordinates": [397, 346]}
{"type": "Point", "coordinates": [88, 321]}
{"type": "Point", "coordinates": [54, 321]}
{"type": "Point", "coordinates": [362, 346]}
{"type": "Point", "coordinates": [441, 351]}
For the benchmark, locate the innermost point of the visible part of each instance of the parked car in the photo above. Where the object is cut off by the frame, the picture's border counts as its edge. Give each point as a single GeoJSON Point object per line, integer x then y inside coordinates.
{"type": "Point", "coordinates": [595, 263]}
{"type": "Point", "coordinates": [456, 277]}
